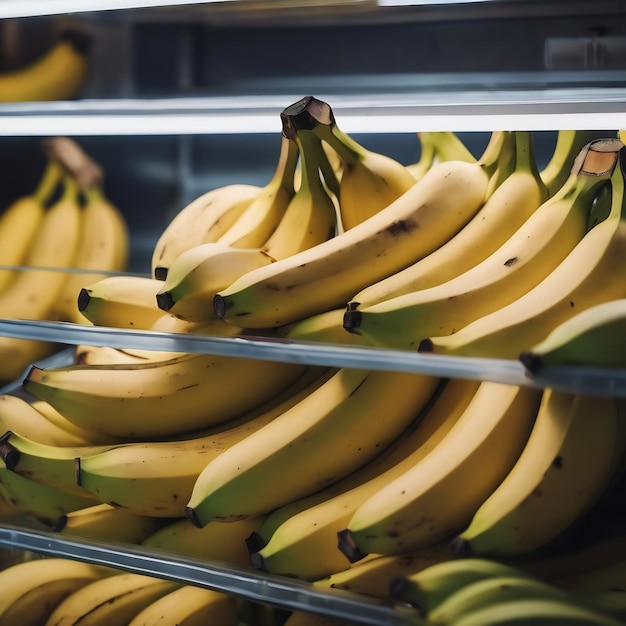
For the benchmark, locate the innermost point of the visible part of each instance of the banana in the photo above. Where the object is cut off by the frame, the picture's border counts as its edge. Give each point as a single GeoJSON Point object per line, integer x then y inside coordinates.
{"type": "Point", "coordinates": [561, 473]}
{"type": "Point", "coordinates": [20, 221]}
{"type": "Point", "coordinates": [103, 522]}
{"type": "Point", "coordinates": [593, 337]}
{"type": "Point", "coordinates": [79, 436]}
{"type": "Point", "coordinates": [493, 591]}
{"type": "Point", "coordinates": [427, 588]}
{"type": "Point", "coordinates": [157, 478]}
{"type": "Point", "coordinates": [57, 75]}
{"type": "Point", "coordinates": [104, 244]}
{"type": "Point", "coordinates": [115, 599]}
{"type": "Point", "coordinates": [326, 327]}
{"type": "Point", "coordinates": [373, 575]}
{"type": "Point", "coordinates": [198, 273]}
{"type": "Point", "coordinates": [568, 144]}
{"type": "Point", "coordinates": [189, 606]}
{"type": "Point", "coordinates": [370, 181]}
{"type": "Point", "coordinates": [54, 466]}
{"type": "Point", "coordinates": [203, 220]}
{"type": "Point", "coordinates": [608, 577]}
{"type": "Point", "coordinates": [428, 155]}
{"type": "Point", "coordinates": [310, 217]}
{"type": "Point", "coordinates": [448, 146]}
{"type": "Point", "coordinates": [439, 495]}
{"type": "Point", "coordinates": [587, 276]}
{"type": "Point", "coordinates": [104, 355]}
{"type": "Point", "coordinates": [300, 539]}
{"type": "Point", "coordinates": [510, 205]}
{"type": "Point", "coordinates": [123, 301]}
{"type": "Point", "coordinates": [32, 294]}
{"type": "Point", "coordinates": [236, 484]}
{"type": "Point", "coordinates": [31, 590]}
{"type": "Point", "coordinates": [545, 611]}
{"type": "Point", "coordinates": [254, 226]}
{"type": "Point", "coordinates": [519, 264]}
{"type": "Point", "coordinates": [326, 276]}
{"type": "Point", "coordinates": [139, 400]}
{"type": "Point", "coordinates": [215, 542]}
{"type": "Point", "coordinates": [17, 414]}
{"type": "Point", "coordinates": [39, 501]}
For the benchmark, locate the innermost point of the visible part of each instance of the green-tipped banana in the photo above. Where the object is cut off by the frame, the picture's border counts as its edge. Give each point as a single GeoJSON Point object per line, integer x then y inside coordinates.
{"type": "Point", "coordinates": [536, 248]}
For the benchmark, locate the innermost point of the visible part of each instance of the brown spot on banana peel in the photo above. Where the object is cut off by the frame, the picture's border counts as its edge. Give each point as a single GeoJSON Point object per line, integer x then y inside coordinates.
{"type": "Point", "coordinates": [511, 261]}
{"type": "Point", "coordinates": [401, 227]}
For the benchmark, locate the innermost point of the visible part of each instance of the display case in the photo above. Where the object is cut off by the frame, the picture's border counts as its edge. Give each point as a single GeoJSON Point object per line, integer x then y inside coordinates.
{"type": "Point", "coordinates": [183, 97]}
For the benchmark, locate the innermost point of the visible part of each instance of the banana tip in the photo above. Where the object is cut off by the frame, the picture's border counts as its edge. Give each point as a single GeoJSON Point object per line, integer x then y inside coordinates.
{"type": "Point", "coordinates": [160, 273]}
{"type": "Point", "coordinates": [352, 319]}
{"type": "Point", "coordinates": [256, 560]}
{"type": "Point", "coordinates": [192, 516]}
{"type": "Point", "coordinates": [219, 306]}
{"type": "Point", "coordinates": [254, 543]}
{"type": "Point", "coordinates": [83, 299]}
{"type": "Point", "coordinates": [59, 524]}
{"type": "Point", "coordinates": [347, 545]}
{"type": "Point", "coordinates": [398, 587]}
{"type": "Point", "coordinates": [164, 300]}
{"type": "Point", "coordinates": [426, 345]}
{"type": "Point", "coordinates": [9, 454]}
{"type": "Point", "coordinates": [531, 361]}
{"type": "Point", "coordinates": [461, 547]}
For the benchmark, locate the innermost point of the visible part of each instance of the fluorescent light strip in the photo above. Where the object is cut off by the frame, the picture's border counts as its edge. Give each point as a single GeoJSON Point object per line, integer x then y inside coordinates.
{"type": "Point", "coordinates": [32, 8]}
{"type": "Point", "coordinates": [197, 124]}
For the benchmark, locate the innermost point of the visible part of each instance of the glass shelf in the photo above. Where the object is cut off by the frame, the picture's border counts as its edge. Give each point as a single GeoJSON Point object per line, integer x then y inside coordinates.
{"type": "Point", "coordinates": [280, 591]}
{"type": "Point", "coordinates": [591, 380]}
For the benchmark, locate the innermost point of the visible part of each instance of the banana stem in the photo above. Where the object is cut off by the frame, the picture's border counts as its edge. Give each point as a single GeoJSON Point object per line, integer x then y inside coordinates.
{"type": "Point", "coordinates": [70, 189]}
{"type": "Point", "coordinates": [51, 177]}
{"type": "Point", "coordinates": [284, 176]}
{"type": "Point", "coordinates": [330, 177]}
{"type": "Point", "coordinates": [525, 153]}
{"type": "Point", "coordinates": [310, 148]}
{"type": "Point", "coordinates": [450, 148]}
{"type": "Point", "coordinates": [347, 148]}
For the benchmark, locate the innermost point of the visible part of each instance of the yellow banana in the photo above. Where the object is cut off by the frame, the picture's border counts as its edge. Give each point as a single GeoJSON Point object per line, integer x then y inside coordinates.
{"type": "Point", "coordinates": [103, 522]}
{"type": "Point", "coordinates": [510, 205]}
{"type": "Point", "coordinates": [428, 155]}
{"type": "Point", "coordinates": [57, 75]}
{"type": "Point", "coordinates": [104, 244]}
{"type": "Point", "coordinates": [189, 606]}
{"type": "Point", "coordinates": [588, 275]}
{"type": "Point", "coordinates": [157, 478]}
{"type": "Point", "coordinates": [235, 484]}
{"type": "Point", "coordinates": [254, 226]}
{"type": "Point", "coordinates": [32, 589]}
{"type": "Point", "coordinates": [519, 264]}
{"type": "Point", "coordinates": [114, 599]}
{"type": "Point", "coordinates": [328, 275]}
{"type": "Point", "coordinates": [203, 220]}
{"type": "Point", "coordinates": [563, 470]}
{"type": "Point", "coordinates": [439, 495]}
{"type": "Point", "coordinates": [370, 180]}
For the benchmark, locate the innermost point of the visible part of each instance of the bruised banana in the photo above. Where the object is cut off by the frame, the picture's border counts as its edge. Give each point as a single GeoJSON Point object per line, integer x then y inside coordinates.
{"type": "Point", "coordinates": [593, 337]}
{"type": "Point", "coordinates": [535, 249]}
{"type": "Point", "coordinates": [103, 522]}
{"type": "Point", "coordinates": [510, 205]}
{"type": "Point", "coordinates": [104, 244]}
{"type": "Point", "coordinates": [448, 485]}
{"type": "Point", "coordinates": [157, 478]}
{"type": "Point", "coordinates": [32, 589]}
{"type": "Point", "coordinates": [370, 181]}
{"type": "Point", "coordinates": [563, 470]}
{"type": "Point", "coordinates": [203, 220]}
{"type": "Point", "coordinates": [163, 398]}
{"type": "Point", "coordinates": [326, 276]}
{"type": "Point", "coordinates": [189, 606]}
{"type": "Point", "coordinates": [114, 599]}
{"type": "Point", "coordinates": [255, 225]}
{"type": "Point", "coordinates": [587, 276]}
{"type": "Point", "coordinates": [300, 538]}
{"type": "Point", "coordinates": [238, 482]}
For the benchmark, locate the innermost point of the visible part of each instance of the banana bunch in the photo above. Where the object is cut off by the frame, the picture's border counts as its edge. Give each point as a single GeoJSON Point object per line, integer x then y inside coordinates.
{"type": "Point", "coordinates": [58, 74]}
{"type": "Point", "coordinates": [50, 241]}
